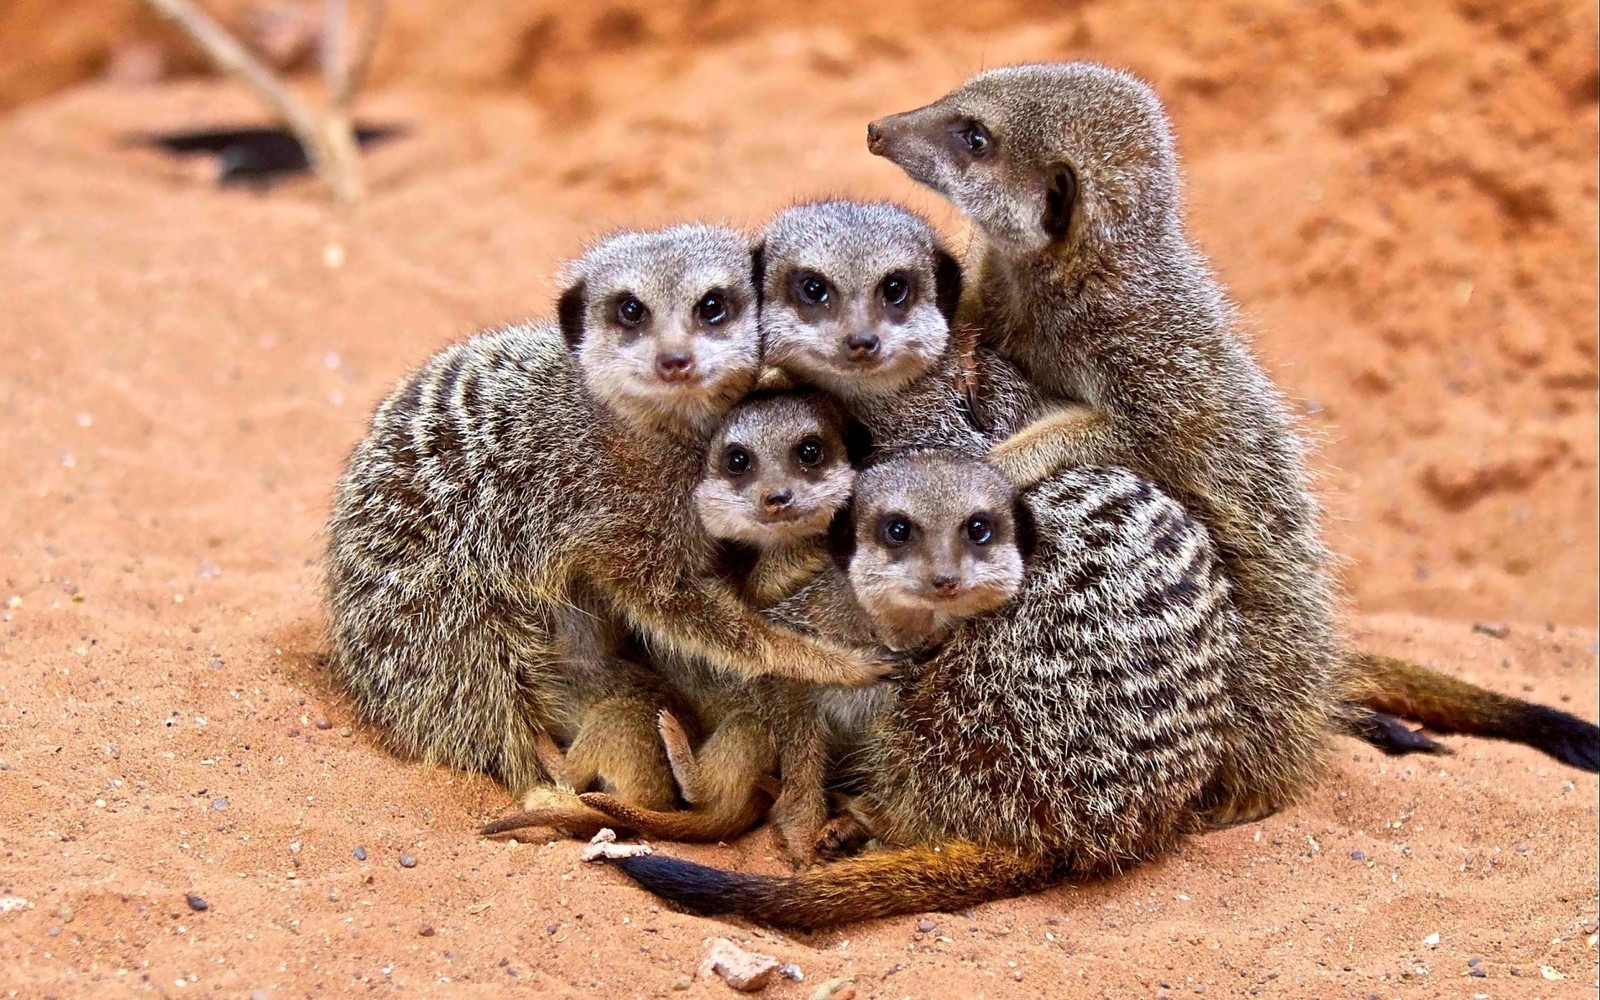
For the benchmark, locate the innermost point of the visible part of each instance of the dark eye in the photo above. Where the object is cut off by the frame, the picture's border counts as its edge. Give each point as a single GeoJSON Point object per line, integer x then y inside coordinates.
{"type": "Point", "coordinates": [813, 288]}
{"type": "Point", "coordinates": [977, 139]}
{"type": "Point", "coordinates": [736, 461]}
{"type": "Point", "coordinates": [980, 529]}
{"type": "Point", "coordinates": [809, 452]}
{"type": "Point", "coordinates": [712, 309]}
{"type": "Point", "coordinates": [896, 289]}
{"type": "Point", "coordinates": [896, 532]}
{"type": "Point", "coordinates": [631, 312]}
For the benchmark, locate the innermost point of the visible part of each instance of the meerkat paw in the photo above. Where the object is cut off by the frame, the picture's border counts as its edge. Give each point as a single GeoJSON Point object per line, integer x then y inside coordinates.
{"type": "Point", "coordinates": [1045, 446]}
{"type": "Point", "coordinates": [680, 757]}
{"type": "Point", "coordinates": [797, 821]}
{"type": "Point", "coordinates": [841, 837]}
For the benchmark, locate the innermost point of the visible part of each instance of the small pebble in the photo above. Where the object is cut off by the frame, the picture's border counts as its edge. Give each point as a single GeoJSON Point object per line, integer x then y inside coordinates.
{"type": "Point", "coordinates": [682, 983]}
{"type": "Point", "coordinates": [219, 804]}
{"type": "Point", "coordinates": [407, 861]}
{"type": "Point", "coordinates": [1498, 630]}
{"type": "Point", "coordinates": [551, 928]}
{"type": "Point", "coordinates": [791, 972]}
{"type": "Point", "coordinates": [925, 925]}
{"type": "Point", "coordinates": [1432, 940]}
{"type": "Point", "coordinates": [54, 932]}
{"type": "Point", "coordinates": [323, 723]}
{"type": "Point", "coordinates": [745, 971]}
{"type": "Point", "coordinates": [360, 853]}
{"type": "Point", "coordinates": [1474, 961]}
{"type": "Point", "coordinates": [65, 913]}
{"type": "Point", "coordinates": [426, 930]}
{"type": "Point", "coordinates": [1477, 973]}
{"type": "Point", "coordinates": [259, 995]}
{"type": "Point", "coordinates": [346, 731]}
{"type": "Point", "coordinates": [1358, 855]}
{"type": "Point", "coordinates": [196, 904]}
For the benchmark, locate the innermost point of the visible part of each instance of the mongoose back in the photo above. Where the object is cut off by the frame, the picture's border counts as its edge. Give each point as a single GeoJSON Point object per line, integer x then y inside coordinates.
{"type": "Point", "coordinates": [1071, 731]}
{"type": "Point", "coordinates": [1087, 282]}
{"type": "Point", "coordinates": [535, 482]}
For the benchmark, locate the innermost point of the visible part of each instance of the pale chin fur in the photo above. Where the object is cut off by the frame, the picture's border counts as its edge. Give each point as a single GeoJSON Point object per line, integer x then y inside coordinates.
{"type": "Point", "coordinates": [849, 381]}
{"type": "Point", "coordinates": [725, 514]}
{"type": "Point", "coordinates": [634, 392]}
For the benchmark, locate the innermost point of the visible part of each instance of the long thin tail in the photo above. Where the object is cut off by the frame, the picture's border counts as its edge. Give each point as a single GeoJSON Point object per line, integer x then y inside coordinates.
{"type": "Point", "coordinates": [953, 876]}
{"type": "Point", "coordinates": [1448, 705]}
{"type": "Point", "coordinates": [555, 809]}
{"type": "Point", "coordinates": [700, 825]}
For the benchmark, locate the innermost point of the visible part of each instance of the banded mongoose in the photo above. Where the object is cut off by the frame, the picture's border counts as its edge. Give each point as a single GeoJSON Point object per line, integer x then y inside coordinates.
{"type": "Point", "coordinates": [1069, 732]}
{"type": "Point", "coordinates": [534, 483]}
{"type": "Point", "coordinates": [1087, 282]}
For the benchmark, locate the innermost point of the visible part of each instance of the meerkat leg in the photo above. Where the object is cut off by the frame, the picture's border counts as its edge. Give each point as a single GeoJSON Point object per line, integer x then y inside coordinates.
{"type": "Point", "coordinates": [618, 750]}
{"type": "Point", "coordinates": [1069, 435]}
{"type": "Point", "coordinates": [705, 619]}
{"type": "Point", "coordinates": [680, 757]}
{"type": "Point", "coordinates": [845, 834]}
{"type": "Point", "coordinates": [801, 809]}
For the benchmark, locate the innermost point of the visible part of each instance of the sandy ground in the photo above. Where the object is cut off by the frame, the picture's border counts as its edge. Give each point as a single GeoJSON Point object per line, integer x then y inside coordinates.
{"type": "Point", "coordinates": [1403, 202]}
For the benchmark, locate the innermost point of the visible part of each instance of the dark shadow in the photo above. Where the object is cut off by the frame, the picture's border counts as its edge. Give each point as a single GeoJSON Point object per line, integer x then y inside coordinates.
{"type": "Point", "coordinates": [254, 157]}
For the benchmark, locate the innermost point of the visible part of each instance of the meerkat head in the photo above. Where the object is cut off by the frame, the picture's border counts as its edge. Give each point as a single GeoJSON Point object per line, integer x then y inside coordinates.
{"type": "Point", "coordinates": [938, 537]}
{"type": "Point", "coordinates": [856, 297]}
{"type": "Point", "coordinates": [665, 323]}
{"type": "Point", "coordinates": [1052, 157]}
{"type": "Point", "coordinates": [777, 471]}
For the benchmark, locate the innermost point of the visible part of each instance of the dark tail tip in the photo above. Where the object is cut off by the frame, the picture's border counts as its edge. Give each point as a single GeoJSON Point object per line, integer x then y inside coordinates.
{"type": "Point", "coordinates": [695, 887]}
{"type": "Point", "coordinates": [1565, 737]}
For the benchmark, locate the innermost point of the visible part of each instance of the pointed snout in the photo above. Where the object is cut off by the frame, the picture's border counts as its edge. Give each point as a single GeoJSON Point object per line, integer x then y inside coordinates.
{"type": "Point", "coordinates": [674, 366]}
{"type": "Point", "coordinates": [862, 346]}
{"type": "Point", "coordinates": [945, 584]}
{"type": "Point", "coordinates": [776, 501]}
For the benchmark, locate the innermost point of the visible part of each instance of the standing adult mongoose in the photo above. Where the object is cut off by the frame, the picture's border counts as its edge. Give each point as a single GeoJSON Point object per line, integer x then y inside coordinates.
{"type": "Point", "coordinates": [1070, 732]}
{"type": "Point", "coordinates": [1087, 282]}
{"type": "Point", "coordinates": [534, 484]}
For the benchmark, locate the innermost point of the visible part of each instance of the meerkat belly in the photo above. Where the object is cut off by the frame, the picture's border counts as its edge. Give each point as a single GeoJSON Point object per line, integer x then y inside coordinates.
{"type": "Point", "coordinates": [1085, 716]}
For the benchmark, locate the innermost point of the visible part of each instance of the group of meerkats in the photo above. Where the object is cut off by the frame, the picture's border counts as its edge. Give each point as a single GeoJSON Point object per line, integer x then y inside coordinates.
{"type": "Point", "coordinates": [1016, 572]}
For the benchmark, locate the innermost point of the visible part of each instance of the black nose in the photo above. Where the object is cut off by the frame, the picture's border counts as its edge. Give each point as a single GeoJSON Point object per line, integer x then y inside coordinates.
{"type": "Point", "coordinates": [674, 366]}
{"type": "Point", "coordinates": [944, 583]}
{"type": "Point", "coordinates": [777, 500]}
{"type": "Point", "coordinates": [861, 345]}
{"type": "Point", "coordinates": [874, 137]}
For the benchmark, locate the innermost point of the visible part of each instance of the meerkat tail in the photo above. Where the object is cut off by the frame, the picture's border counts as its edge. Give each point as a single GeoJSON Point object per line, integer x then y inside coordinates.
{"type": "Point", "coordinates": [953, 876]}
{"type": "Point", "coordinates": [557, 810]}
{"type": "Point", "coordinates": [1448, 705]}
{"type": "Point", "coordinates": [689, 825]}
{"type": "Point", "coordinates": [1386, 732]}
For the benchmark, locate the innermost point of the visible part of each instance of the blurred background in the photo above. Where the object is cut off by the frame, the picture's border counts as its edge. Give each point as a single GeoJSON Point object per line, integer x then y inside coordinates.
{"type": "Point", "coordinates": [1402, 199]}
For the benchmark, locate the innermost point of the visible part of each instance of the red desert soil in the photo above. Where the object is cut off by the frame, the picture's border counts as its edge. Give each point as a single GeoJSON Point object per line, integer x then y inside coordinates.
{"type": "Point", "coordinates": [1402, 201]}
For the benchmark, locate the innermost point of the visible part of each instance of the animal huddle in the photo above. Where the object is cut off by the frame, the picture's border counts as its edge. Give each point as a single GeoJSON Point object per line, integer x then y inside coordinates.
{"type": "Point", "coordinates": [1016, 570]}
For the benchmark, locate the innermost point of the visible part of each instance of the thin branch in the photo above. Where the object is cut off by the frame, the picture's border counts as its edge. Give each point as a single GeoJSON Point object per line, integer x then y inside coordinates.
{"type": "Point", "coordinates": [356, 78]}
{"type": "Point", "coordinates": [327, 139]}
{"type": "Point", "coordinates": [335, 68]}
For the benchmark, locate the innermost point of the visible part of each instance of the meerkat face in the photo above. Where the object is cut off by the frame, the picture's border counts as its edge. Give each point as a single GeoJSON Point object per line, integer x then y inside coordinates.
{"type": "Point", "coordinates": [776, 471]}
{"type": "Point", "coordinates": [935, 534]}
{"type": "Point", "coordinates": [857, 298]}
{"type": "Point", "coordinates": [665, 323]}
{"type": "Point", "coordinates": [1042, 155]}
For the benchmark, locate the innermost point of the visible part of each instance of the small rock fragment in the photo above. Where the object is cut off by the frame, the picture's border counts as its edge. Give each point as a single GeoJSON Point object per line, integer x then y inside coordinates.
{"type": "Point", "coordinates": [196, 903]}
{"type": "Point", "coordinates": [682, 983]}
{"type": "Point", "coordinates": [843, 988]}
{"type": "Point", "coordinates": [791, 972]}
{"type": "Point", "coordinates": [323, 723]}
{"type": "Point", "coordinates": [219, 804]}
{"type": "Point", "coordinates": [360, 853]}
{"type": "Point", "coordinates": [1549, 972]}
{"type": "Point", "coordinates": [1498, 630]}
{"type": "Point", "coordinates": [745, 971]}
{"type": "Point", "coordinates": [65, 913]}
{"type": "Point", "coordinates": [426, 930]}
{"type": "Point", "coordinates": [1432, 940]}
{"type": "Point", "coordinates": [407, 861]}
{"type": "Point", "coordinates": [346, 731]}
{"type": "Point", "coordinates": [1358, 855]}
{"type": "Point", "coordinates": [926, 925]}
{"type": "Point", "coordinates": [604, 847]}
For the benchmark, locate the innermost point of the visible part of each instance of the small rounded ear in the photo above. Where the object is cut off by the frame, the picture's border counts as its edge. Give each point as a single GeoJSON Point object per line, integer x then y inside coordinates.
{"type": "Point", "coordinates": [758, 270]}
{"type": "Point", "coordinates": [946, 283]}
{"type": "Point", "coordinates": [1027, 532]}
{"type": "Point", "coordinates": [842, 535]}
{"type": "Point", "coordinates": [857, 441]}
{"type": "Point", "coordinates": [569, 312]}
{"type": "Point", "coordinates": [1060, 197]}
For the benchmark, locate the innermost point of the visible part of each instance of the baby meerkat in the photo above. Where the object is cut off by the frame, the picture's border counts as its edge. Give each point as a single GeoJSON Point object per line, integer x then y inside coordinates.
{"type": "Point", "coordinates": [536, 482]}
{"type": "Point", "coordinates": [858, 301]}
{"type": "Point", "coordinates": [1067, 732]}
{"type": "Point", "coordinates": [1088, 283]}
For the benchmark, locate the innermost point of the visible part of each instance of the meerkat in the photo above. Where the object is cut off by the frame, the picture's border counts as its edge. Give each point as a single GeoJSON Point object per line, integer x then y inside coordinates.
{"type": "Point", "coordinates": [775, 475]}
{"type": "Point", "coordinates": [536, 481]}
{"type": "Point", "coordinates": [1087, 283]}
{"type": "Point", "coordinates": [1069, 731]}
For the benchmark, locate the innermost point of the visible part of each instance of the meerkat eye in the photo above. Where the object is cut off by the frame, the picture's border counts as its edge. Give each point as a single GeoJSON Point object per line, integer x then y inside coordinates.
{"type": "Point", "coordinates": [896, 532]}
{"type": "Point", "coordinates": [713, 309]}
{"type": "Point", "coordinates": [980, 529]}
{"type": "Point", "coordinates": [896, 289]}
{"type": "Point", "coordinates": [736, 461]}
{"type": "Point", "coordinates": [630, 311]}
{"type": "Point", "coordinates": [809, 452]}
{"type": "Point", "coordinates": [976, 138]}
{"type": "Point", "coordinates": [812, 288]}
